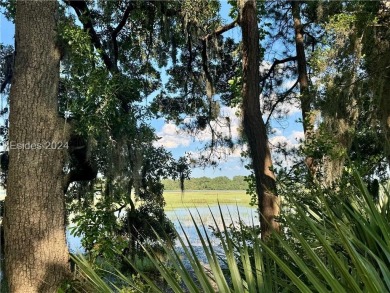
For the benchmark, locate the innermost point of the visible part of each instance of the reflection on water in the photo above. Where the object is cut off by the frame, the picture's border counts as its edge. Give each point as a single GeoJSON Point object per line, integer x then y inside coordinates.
{"type": "Point", "coordinates": [209, 216]}
{"type": "Point", "coordinates": [231, 213]}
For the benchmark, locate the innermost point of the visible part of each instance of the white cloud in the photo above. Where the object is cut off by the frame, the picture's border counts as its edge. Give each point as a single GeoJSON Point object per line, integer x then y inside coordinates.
{"type": "Point", "coordinates": [237, 151]}
{"type": "Point", "coordinates": [264, 67]}
{"type": "Point", "coordinates": [171, 137]}
{"type": "Point", "coordinates": [170, 129]}
{"type": "Point", "coordinates": [292, 108]}
{"type": "Point", "coordinates": [222, 125]}
{"type": "Point", "coordinates": [278, 139]}
{"type": "Point", "coordinates": [222, 155]}
{"type": "Point", "coordinates": [288, 84]}
{"type": "Point", "coordinates": [276, 131]}
{"type": "Point", "coordinates": [237, 167]}
{"type": "Point", "coordinates": [235, 121]}
{"type": "Point", "coordinates": [289, 142]}
{"type": "Point", "coordinates": [298, 136]}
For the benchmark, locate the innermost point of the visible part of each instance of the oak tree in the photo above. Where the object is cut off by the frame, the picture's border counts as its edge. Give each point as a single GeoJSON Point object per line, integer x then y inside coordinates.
{"type": "Point", "coordinates": [34, 222]}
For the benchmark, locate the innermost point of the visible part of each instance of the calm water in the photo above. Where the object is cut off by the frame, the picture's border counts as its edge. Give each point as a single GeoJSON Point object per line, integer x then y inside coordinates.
{"type": "Point", "coordinates": [209, 216]}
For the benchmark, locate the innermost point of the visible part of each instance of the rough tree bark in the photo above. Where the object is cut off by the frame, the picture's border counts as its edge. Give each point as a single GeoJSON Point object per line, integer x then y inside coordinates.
{"type": "Point", "coordinates": [254, 126]}
{"type": "Point", "coordinates": [35, 244]}
{"type": "Point", "coordinates": [307, 116]}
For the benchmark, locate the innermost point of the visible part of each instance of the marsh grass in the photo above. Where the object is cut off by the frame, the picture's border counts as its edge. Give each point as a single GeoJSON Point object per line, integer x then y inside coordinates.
{"type": "Point", "coordinates": [203, 198]}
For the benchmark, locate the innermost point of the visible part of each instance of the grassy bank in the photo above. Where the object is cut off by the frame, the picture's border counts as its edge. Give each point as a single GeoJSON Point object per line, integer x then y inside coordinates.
{"type": "Point", "coordinates": [197, 198]}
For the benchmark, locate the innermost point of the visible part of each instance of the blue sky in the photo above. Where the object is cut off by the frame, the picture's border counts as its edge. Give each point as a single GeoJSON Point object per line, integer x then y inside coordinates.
{"type": "Point", "coordinates": [286, 131]}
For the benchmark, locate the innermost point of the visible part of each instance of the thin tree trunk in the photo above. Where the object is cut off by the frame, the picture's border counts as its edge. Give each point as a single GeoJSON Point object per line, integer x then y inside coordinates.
{"type": "Point", "coordinates": [303, 79]}
{"type": "Point", "coordinates": [254, 126]}
{"type": "Point", "coordinates": [35, 244]}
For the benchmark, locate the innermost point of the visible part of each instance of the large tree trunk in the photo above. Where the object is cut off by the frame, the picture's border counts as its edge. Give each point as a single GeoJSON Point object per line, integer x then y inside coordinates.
{"type": "Point", "coordinates": [254, 126]}
{"type": "Point", "coordinates": [307, 116]}
{"type": "Point", "coordinates": [35, 244]}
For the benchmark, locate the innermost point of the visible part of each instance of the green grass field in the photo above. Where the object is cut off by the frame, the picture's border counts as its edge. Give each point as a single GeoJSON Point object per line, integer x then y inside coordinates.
{"type": "Point", "coordinates": [191, 198]}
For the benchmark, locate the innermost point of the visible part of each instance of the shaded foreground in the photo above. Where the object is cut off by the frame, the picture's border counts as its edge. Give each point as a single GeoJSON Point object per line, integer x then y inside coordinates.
{"type": "Point", "coordinates": [334, 242]}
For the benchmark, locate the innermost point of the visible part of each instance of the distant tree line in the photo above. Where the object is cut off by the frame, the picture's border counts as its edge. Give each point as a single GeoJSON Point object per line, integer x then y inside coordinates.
{"type": "Point", "coordinates": [206, 183]}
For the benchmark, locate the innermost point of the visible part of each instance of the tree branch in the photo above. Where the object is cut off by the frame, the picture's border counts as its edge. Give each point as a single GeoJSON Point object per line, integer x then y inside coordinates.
{"type": "Point", "coordinates": [277, 62]}
{"type": "Point", "coordinates": [209, 80]}
{"type": "Point", "coordinates": [281, 99]}
{"type": "Point", "coordinates": [119, 27]}
{"type": "Point", "coordinates": [220, 31]}
{"type": "Point", "coordinates": [189, 44]}
{"type": "Point", "coordinates": [84, 15]}
{"type": "Point", "coordinates": [205, 39]}
{"type": "Point", "coordinates": [124, 19]}
{"type": "Point", "coordinates": [119, 209]}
